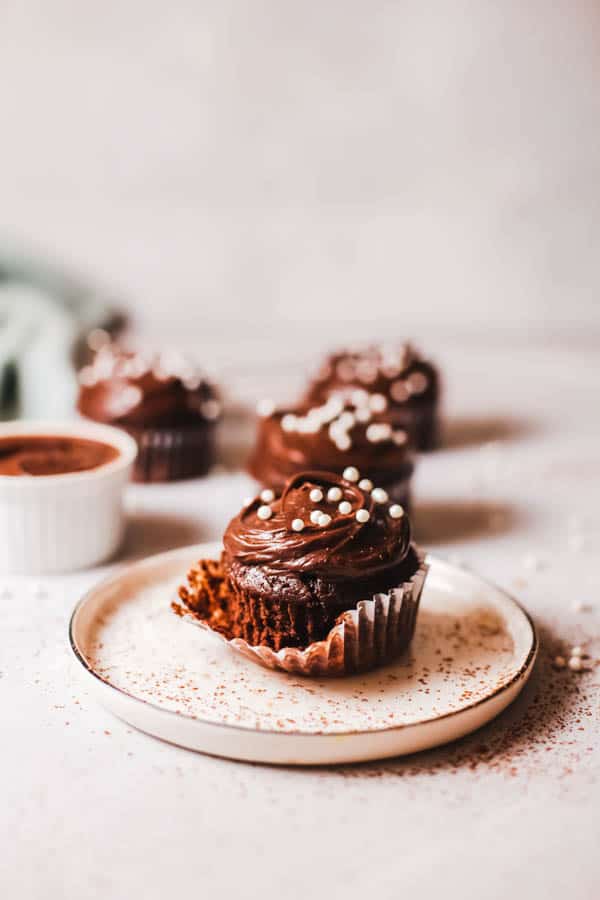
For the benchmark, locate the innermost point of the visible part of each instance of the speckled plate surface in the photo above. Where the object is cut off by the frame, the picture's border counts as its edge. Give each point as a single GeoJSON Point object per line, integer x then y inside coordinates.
{"type": "Point", "coordinates": [473, 651]}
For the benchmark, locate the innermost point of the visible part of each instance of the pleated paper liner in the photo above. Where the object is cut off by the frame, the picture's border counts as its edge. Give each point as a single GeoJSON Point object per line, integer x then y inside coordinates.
{"type": "Point", "coordinates": [172, 454]}
{"type": "Point", "coordinates": [372, 634]}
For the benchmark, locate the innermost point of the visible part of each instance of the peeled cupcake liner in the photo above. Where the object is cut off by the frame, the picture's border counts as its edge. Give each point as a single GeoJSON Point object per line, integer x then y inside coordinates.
{"type": "Point", "coordinates": [372, 634]}
{"type": "Point", "coordinates": [172, 454]}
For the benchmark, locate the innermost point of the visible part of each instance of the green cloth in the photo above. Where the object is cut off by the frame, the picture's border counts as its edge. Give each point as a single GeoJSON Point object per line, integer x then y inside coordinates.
{"type": "Point", "coordinates": [43, 314]}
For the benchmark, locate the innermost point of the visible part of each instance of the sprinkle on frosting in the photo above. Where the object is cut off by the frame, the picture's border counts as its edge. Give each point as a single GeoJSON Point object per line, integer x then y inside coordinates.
{"type": "Point", "coordinates": [351, 473]}
{"type": "Point", "coordinates": [139, 385]}
{"type": "Point", "coordinates": [267, 496]}
{"type": "Point", "coordinates": [265, 407]}
{"type": "Point", "coordinates": [354, 538]}
{"type": "Point", "coordinates": [379, 495]}
{"type": "Point", "coordinates": [372, 377]}
{"type": "Point", "coordinates": [378, 403]}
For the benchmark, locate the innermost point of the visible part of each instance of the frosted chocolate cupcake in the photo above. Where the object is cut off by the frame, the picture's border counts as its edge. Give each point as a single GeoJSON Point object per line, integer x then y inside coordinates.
{"type": "Point", "coordinates": [409, 384]}
{"type": "Point", "coordinates": [324, 575]}
{"type": "Point", "coordinates": [336, 436]}
{"type": "Point", "coordinates": [163, 401]}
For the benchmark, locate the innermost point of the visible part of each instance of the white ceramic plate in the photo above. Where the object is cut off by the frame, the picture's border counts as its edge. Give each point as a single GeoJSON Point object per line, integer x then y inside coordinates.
{"type": "Point", "coordinates": [473, 651]}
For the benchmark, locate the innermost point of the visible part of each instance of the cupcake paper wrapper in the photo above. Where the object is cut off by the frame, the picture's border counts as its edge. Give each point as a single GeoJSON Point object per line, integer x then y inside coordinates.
{"type": "Point", "coordinates": [372, 634]}
{"type": "Point", "coordinates": [169, 454]}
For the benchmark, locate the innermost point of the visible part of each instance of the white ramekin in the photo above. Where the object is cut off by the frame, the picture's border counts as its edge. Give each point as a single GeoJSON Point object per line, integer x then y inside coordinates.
{"type": "Point", "coordinates": [58, 523]}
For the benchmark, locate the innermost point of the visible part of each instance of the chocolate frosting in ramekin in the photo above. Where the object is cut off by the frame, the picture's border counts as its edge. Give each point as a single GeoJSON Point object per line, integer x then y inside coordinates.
{"type": "Point", "coordinates": [344, 548]}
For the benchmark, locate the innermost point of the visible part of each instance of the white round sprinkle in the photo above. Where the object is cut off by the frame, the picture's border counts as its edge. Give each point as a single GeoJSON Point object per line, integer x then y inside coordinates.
{"type": "Point", "coordinates": [345, 370]}
{"type": "Point", "coordinates": [324, 520]}
{"type": "Point", "coordinates": [343, 442]}
{"type": "Point", "coordinates": [365, 484]}
{"type": "Point", "coordinates": [297, 524]}
{"type": "Point", "coordinates": [192, 383]}
{"type": "Point", "coordinates": [378, 431]}
{"type": "Point", "coordinates": [265, 407]}
{"type": "Point", "coordinates": [315, 516]}
{"type": "Point", "coordinates": [345, 507]}
{"type": "Point", "coordinates": [97, 338]}
{"type": "Point", "coordinates": [576, 664]}
{"type": "Point", "coordinates": [267, 496]}
{"type": "Point", "coordinates": [379, 495]}
{"type": "Point", "coordinates": [351, 473]}
{"type": "Point", "coordinates": [417, 383]}
{"type": "Point", "coordinates": [131, 396]}
{"type": "Point", "coordinates": [346, 420]}
{"type": "Point", "coordinates": [264, 512]}
{"type": "Point", "coordinates": [577, 651]}
{"type": "Point", "coordinates": [399, 438]}
{"type": "Point", "coordinates": [367, 374]}
{"type": "Point", "coordinates": [211, 410]}
{"type": "Point", "coordinates": [87, 376]}
{"type": "Point", "coordinates": [359, 397]}
{"type": "Point", "coordinates": [363, 414]}
{"type": "Point", "coordinates": [399, 391]}
{"type": "Point", "coordinates": [289, 422]}
{"type": "Point", "coordinates": [396, 511]}
{"type": "Point", "coordinates": [334, 494]}
{"type": "Point", "coordinates": [378, 403]}
{"type": "Point", "coordinates": [316, 495]}
{"type": "Point", "coordinates": [362, 516]}
{"type": "Point", "coordinates": [560, 662]}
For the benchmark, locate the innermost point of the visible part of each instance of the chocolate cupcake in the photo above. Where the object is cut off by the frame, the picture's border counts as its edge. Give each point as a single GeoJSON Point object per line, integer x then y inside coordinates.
{"type": "Point", "coordinates": [163, 401]}
{"type": "Point", "coordinates": [409, 384]}
{"type": "Point", "coordinates": [336, 436]}
{"type": "Point", "coordinates": [322, 579]}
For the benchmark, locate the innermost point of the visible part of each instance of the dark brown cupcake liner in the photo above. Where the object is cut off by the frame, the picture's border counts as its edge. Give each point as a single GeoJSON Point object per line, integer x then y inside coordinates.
{"type": "Point", "coordinates": [172, 454]}
{"type": "Point", "coordinates": [421, 422]}
{"type": "Point", "coordinates": [375, 632]}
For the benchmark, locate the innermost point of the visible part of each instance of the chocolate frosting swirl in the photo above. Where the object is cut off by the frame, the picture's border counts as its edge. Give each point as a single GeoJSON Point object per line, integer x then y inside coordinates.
{"type": "Point", "coordinates": [398, 372]}
{"type": "Point", "coordinates": [342, 550]}
{"type": "Point", "coordinates": [279, 454]}
{"type": "Point", "coordinates": [140, 390]}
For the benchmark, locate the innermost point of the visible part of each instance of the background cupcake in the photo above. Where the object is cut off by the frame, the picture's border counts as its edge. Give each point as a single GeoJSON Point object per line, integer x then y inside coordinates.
{"type": "Point", "coordinates": [163, 401]}
{"type": "Point", "coordinates": [294, 567]}
{"type": "Point", "coordinates": [409, 383]}
{"type": "Point", "coordinates": [335, 436]}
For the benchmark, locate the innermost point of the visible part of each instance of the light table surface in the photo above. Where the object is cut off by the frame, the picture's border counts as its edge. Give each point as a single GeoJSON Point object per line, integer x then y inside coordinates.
{"type": "Point", "coordinates": [93, 809]}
